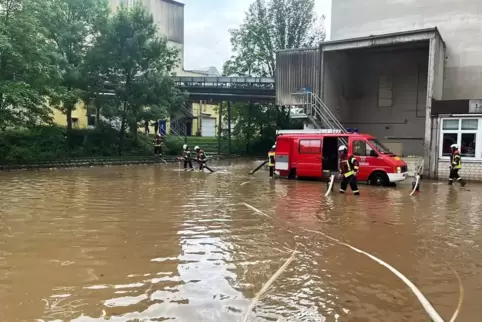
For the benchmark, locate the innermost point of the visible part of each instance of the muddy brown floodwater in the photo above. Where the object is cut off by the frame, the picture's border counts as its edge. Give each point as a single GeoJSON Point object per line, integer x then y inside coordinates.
{"type": "Point", "coordinates": [151, 243]}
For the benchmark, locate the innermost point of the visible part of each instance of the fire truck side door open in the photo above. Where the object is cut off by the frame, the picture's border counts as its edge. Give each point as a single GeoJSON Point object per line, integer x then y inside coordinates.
{"type": "Point", "coordinates": [309, 158]}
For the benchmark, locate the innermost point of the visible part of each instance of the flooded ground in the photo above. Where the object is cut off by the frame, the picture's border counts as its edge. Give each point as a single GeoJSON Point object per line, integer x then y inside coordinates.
{"type": "Point", "coordinates": [150, 243]}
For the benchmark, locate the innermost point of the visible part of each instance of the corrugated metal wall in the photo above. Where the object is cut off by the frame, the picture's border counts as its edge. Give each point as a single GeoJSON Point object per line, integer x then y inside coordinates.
{"type": "Point", "coordinates": [296, 69]}
{"type": "Point", "coordinates": [169, 17]}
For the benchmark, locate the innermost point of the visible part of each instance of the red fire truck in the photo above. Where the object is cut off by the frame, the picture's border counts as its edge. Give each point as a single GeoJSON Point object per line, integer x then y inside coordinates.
{"type": "Point", "coordinates": [314, 154]}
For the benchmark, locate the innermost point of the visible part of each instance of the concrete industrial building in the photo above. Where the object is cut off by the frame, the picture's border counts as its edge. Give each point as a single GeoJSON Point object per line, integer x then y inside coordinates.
{"type": "Point", "coordinates": [195, 117]}
{"type": "Point", "coordinates": [408, 72]}
{"type": "Point", "coordinates": [169, 17]}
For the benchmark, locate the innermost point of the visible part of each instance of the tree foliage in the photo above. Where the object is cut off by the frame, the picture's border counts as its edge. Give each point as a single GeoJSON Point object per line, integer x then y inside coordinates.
{"type": "Point", "coordinates": [27, 65]}
{"type": "Point", "coordinates": [137, 65]}
{"type": "Point", "coordinates": [72, 26]}
{"type": "Point", "coordinates": [256, 124]}
{"type": "Point", "coordinates": [269, 26]}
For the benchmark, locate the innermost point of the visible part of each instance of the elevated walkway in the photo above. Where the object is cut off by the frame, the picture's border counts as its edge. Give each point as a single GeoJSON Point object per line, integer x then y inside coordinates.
{"type": "Point", "coordinates": [255, 89]}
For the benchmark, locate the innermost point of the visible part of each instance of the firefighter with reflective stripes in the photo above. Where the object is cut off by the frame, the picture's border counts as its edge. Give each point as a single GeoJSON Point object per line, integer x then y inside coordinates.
{"type": "Point", "coordinates": [348, 170]}
{"type": "Point", "coordinates": [158, 143]}
{"type": "Point", "coordinates": [455, 165]}
{"type": "Point", "coordinates": [186, 154]}
{"type": "Point", "coordinates": [271, 160]}
{"type": "Point", "coordinates": [200, 157]}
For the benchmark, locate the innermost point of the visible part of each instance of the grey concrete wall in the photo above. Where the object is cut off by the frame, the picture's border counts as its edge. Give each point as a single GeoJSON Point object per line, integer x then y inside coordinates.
{"type": "Point", "coordinates": [335, 83]}
{"type": "Point", "coordinates": [436, 64]}
{"type": "Point", "coordinates": [438, 68]}
{"type": "Point", "coordinates": [402, 119]}
{"type": "Point", "coordinates": [459, 22]}
{"type": "Point", "coordinates": [168, 16]}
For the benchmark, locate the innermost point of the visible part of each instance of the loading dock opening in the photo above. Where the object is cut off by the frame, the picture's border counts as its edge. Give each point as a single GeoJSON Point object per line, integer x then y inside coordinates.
{"type": "Point", "coordinates": [381, 91]}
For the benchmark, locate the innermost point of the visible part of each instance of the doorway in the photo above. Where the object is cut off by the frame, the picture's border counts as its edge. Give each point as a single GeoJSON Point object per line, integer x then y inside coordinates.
{"type": "Point", "coordinates": [330, 154]}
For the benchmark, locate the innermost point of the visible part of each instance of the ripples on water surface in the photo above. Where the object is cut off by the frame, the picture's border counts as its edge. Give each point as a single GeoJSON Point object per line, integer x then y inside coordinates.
{"type": "Point", "coordinates": [150, 243]}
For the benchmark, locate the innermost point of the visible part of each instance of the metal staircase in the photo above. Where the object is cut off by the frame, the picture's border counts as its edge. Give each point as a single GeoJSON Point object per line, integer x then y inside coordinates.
{"type": "Point", "coordinates": [317, 112]}
{"type": "Point", "coordinates": [186, 111]}
{"type": "Point", "coordinates": [178, 128]}
{"type": "Point", "coordinates": [178, 124]}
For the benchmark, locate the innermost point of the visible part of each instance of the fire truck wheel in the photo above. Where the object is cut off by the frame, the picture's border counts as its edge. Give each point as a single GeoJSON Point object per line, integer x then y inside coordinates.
{"type": "Point", "coordinates": [378, 178]}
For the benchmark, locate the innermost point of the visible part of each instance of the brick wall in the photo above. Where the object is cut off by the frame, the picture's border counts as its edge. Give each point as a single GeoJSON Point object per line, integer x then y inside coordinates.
{"type": "Point", "coordinates": [471, 171]}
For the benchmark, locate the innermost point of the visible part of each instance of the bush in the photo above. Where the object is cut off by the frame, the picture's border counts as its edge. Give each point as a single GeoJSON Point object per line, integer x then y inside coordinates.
{"type": "Point", "coordinates": [49, 143]}
{"type": "Point", "coordinates": [173, 145]}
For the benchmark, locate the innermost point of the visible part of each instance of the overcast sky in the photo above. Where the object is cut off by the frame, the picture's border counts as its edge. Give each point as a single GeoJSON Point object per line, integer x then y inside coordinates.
{"type": "Point", "coordinates": [206, 29]}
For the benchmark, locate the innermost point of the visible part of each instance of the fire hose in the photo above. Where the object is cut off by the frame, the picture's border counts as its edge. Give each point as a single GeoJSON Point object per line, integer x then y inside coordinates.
{"type": "Point", "coordinates": [199, 161]}
{"type": "Point", "coordinates": [258, 167]}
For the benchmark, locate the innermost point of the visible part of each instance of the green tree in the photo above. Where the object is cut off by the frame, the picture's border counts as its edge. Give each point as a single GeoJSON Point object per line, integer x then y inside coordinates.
{"type": "Point", "coordinates": [27, 65]}
{"type": "Point", "coordinates": [269, 26]}
{"type": "Point", "coordinates": [255, 124]}
{"type": "Point", "coordinates": [137, 64]}
{"type": "Point", "coordinates": [73, 26]}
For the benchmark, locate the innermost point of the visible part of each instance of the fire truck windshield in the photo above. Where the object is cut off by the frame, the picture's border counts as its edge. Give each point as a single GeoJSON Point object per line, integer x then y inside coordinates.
{"type": "Point", "coordinates": [380, 147]}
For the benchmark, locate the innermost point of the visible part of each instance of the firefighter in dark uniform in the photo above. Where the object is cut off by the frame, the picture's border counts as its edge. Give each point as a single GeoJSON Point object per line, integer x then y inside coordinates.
{"type": "Point", "coordinates": [348, 170]}
{"type": "Point", "coordinates": [158, 142]}
{"type": "Point", "coordinates": [186, 154]}
{"type": "Point", "coordinates": [271, 160]}
{"type": "Point", "coordinates": [455, 165]}
{"type": "Point", "coordinates": [200, 157]}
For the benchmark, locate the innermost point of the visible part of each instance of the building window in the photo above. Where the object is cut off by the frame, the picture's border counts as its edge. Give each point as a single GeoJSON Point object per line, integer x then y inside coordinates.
{"type": "Point", "coordinates": [75, 122]}
{"type": "Point", "coordinates": [466, 133]}
{"type": "Point", "coordinates": [310, 146]}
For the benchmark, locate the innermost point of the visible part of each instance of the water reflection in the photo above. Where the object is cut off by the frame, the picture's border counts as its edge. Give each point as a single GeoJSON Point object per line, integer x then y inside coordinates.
{"type": "Point", "coordinates": [154, 243]}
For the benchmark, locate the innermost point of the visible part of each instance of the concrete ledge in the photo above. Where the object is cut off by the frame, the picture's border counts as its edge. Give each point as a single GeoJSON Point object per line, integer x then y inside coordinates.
{"type": "Point", "coordinates": [91, 162]}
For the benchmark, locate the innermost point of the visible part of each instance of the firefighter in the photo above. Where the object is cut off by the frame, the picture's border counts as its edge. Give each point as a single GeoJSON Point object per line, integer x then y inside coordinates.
{"type": "Point", "coordinates": [200, 157]}
{"type": "Point", "coordinates": [158, 142]}
{"type": "Point", "coordinates": [186, 153]}
{"type": "Point", "coordinates": [455, 165]}
{"type": "Point", "coordinates": [271, 160]}
{"type": "Point", "coordinates": [348, 170]}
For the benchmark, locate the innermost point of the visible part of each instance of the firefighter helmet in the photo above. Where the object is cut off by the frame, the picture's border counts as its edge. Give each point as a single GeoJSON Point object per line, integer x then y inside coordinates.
{"type": "Point", "coordinates": [274, 146]}
{"type": "Point", "coordinates": [454, 146]}
{"type": "Point", "coordinates": [342, 148]}
{"type": "Point", "coordinates": [196, 148]}
{"type": "Point", "coordinates": [184, 146]}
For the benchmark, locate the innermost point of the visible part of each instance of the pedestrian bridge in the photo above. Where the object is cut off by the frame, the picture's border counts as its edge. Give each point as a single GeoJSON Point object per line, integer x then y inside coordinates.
{"type": "Point", "coordinates": [256, 89]}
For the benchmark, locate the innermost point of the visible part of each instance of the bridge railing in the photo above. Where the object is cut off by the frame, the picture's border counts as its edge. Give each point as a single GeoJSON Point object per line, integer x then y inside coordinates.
{"type": "Point", "coordinates": [225, 82]}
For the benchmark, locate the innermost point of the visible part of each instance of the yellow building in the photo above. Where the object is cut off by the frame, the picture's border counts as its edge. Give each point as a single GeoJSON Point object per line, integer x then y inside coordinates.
{"type": "Point", "coordinates": [79, 117]}
{"type": "Point", "coordinates": [193, 119]}
{"type": "Point", "coordinates": [206, 119]}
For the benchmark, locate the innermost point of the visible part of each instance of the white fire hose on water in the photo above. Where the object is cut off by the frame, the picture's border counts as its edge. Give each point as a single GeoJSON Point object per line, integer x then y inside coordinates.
{"type": "Point", "coordinates": [417, 177]}
{"type": "Point", "coordinates": [330, 185]}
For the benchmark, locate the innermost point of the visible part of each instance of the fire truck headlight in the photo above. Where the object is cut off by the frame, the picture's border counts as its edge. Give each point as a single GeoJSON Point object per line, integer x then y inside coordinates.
{"type": "Point", "coordinates": [399, 170]}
